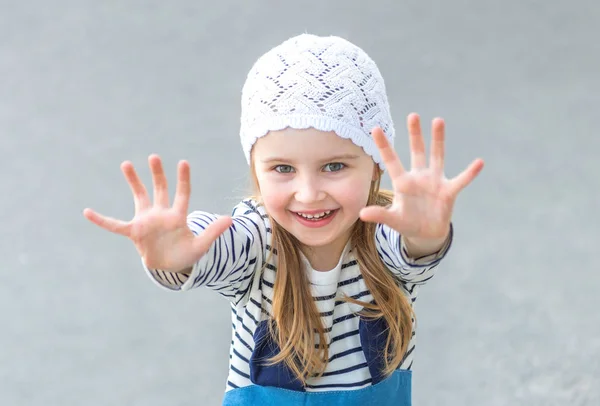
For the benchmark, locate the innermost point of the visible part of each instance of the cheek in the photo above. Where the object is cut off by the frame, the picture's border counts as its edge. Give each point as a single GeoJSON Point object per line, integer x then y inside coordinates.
{"type": "Point", "coordinates": [274, 195]}
{"type": "Point", "coordinates": [353, 192]}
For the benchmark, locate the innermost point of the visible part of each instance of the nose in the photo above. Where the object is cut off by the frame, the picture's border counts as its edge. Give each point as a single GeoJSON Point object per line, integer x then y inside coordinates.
{"type": "Point", "coordinates": [309, 190]}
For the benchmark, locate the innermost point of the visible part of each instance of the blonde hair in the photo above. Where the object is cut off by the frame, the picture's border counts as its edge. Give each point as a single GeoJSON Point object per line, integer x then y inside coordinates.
{"type": "Point", "coordinates": [297, 321]}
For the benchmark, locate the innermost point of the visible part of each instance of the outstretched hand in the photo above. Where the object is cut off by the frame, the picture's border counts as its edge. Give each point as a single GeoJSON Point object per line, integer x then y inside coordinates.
{"type": "Point", "coordinates": [423, 197]}
{"type": "Point", "coordinates": [159, 232]}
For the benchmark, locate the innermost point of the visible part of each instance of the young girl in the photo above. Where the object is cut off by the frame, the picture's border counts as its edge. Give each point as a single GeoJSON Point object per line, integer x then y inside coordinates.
{"type": "Point", "coordinates": [321, 266]}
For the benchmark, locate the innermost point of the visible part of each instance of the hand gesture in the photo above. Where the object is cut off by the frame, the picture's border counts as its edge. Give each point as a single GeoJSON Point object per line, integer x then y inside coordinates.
{"type": "Point", "coordinates": [159, 232]}
{"type": "Point", "coordinates": [423, 197]}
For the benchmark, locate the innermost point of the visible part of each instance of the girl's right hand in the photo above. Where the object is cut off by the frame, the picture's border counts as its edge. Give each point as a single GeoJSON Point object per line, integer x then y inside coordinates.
{"type": "Point", "coordinates": [159, 232]}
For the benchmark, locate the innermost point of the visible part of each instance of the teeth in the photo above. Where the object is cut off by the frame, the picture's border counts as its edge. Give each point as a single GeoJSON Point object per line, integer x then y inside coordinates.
{"type": "Point", "coordinates": [315, 216]}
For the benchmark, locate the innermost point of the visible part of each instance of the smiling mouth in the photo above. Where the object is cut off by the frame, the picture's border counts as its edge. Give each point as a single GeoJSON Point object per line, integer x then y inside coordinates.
{"type": "Point", "coordinates": [316, 216]}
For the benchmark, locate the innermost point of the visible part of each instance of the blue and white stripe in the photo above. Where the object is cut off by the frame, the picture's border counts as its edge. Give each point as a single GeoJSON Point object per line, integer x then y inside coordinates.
{"type": "Point", "coordinates": [234, 267]}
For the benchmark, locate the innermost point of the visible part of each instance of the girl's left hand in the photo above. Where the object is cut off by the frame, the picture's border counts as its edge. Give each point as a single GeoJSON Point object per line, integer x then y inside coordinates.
{"type": "Point", "coordinates": [423, 197]}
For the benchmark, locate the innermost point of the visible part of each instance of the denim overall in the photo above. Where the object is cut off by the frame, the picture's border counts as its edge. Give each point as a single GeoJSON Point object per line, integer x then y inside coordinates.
{"type": "Point", "coordinates": [276, 385]}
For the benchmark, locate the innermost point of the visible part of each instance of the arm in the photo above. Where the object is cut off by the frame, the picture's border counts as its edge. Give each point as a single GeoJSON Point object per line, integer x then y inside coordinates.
{"type": "Point", "coordinates": [230, 263]}
{"type": "Point", "coordinates": [393, 250]}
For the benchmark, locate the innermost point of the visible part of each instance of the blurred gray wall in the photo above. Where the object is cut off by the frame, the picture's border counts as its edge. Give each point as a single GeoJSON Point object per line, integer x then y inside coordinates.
{"type": "Point", "coordinates": [512, 316]}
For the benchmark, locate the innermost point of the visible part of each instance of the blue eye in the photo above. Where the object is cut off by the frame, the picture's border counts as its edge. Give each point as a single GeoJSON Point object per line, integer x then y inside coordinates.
{"type": "Point", "coordinates": [283, 169]}
{"type": "Point", "coordinates": [334, 167]}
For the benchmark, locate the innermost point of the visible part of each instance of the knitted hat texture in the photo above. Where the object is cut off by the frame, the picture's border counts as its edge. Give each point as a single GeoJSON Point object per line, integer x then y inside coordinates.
{"type": "Point", "coordinates": [308, 81]}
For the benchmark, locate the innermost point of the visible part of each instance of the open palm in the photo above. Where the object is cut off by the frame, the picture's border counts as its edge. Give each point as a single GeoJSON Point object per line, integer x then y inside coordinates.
{"type": "Point", "coordinates": [159, 231]}
{"type": "Point", "coordinates": [423, 197]}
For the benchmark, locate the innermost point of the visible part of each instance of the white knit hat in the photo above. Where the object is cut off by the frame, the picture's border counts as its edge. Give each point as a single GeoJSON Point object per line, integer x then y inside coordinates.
{"type": "Point", "coordinates": [326, 83]}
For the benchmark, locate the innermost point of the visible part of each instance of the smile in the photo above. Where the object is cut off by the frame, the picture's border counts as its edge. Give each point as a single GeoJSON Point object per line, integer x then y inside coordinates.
{"type": "Point", "coordinates": [316, 216]}
{"type": "Point", "coordinates": [315, 219]}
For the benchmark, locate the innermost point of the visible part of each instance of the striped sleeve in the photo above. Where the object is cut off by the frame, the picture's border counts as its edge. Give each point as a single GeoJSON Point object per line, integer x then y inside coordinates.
{"type": "Point", "coordinates": [231, 262]}
{"type": "Point", "coordinates": [393, 252]}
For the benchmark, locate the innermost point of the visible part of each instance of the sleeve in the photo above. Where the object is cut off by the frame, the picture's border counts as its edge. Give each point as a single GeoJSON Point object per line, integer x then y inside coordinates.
{"type": "Point", "coordinates": [231, 262]}
{"type": "Point", "coordinates": [414, 271]}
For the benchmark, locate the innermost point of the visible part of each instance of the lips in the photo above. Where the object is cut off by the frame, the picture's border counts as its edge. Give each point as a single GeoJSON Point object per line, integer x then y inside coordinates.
{"type": "Point", "coordinates": [315, 218]}
{"type": "Point", "coordinates": [308, 214]}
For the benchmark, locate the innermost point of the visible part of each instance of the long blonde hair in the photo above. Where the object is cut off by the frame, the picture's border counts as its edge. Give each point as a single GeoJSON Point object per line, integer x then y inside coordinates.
{"type": "Point", "coordinates": [297, 321]}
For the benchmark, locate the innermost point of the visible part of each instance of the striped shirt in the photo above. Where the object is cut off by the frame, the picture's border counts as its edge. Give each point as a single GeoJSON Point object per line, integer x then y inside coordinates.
{"type": "Point", "coordinates": [234, 268]}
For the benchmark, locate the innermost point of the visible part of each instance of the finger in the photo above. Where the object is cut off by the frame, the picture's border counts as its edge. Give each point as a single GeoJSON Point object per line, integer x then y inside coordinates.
{"type": "Point", "coordinates": [203, 241]}
{"type": "Point", "coordinates": [159, 180]}
{"type": "Point", "coordinates": [110, 224]}
{"type": "Point", "coordinates": [140, 194]}
{"type": "Point", "coordinates": [388, 155]}
{"type": "Point", "coordinates": [376, 214]}
{"type": "Point", "coordinates": [417, 144]}
{"type": "Point", "coordinates": [465, 177]}
{"type": "Point", "coordinates": [182, 192]}
{"type": "Point", "coordinates": [436, 158]}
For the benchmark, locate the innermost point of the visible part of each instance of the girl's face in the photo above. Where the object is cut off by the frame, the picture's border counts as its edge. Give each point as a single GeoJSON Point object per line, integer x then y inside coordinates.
{"type": "Point", "coordinates": [313, 183]}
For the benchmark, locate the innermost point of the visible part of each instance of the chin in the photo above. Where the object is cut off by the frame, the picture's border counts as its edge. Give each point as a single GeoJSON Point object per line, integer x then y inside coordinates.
{"type": "Point", "coordinates": [321, 239]}
{"type": "Point", "coordinates": [311, 241]}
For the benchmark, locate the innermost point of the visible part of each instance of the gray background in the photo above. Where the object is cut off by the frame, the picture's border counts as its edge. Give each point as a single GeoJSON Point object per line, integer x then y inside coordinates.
{"type": "Point", "coordinates": [511, 318]}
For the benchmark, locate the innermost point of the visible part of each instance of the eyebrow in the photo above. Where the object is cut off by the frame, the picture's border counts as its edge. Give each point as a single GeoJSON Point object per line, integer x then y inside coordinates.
{"type": "Point", "coordinates": [329, 159]}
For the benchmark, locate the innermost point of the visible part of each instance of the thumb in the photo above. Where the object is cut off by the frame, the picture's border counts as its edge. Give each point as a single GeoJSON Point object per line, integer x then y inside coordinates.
{"type": "Point", "coordinates": [375, 214]}
{"type": "Point", "coordinates": [203, 241]}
